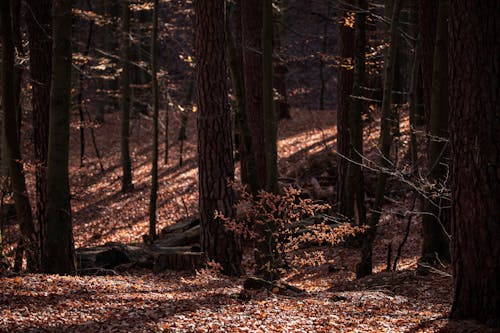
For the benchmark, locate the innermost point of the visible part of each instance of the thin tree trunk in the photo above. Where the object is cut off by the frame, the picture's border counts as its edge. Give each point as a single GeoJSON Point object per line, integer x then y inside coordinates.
{"type": "Point", "coordinates": [474, 97]}
{"type": "Point", "coordinates": [270, 119]}
{"type": "Point", "coordinates": [215, 147]}
{"type": "Point", "coordinates": [251, 23]}
{"type": "Point", "coordinates": [435, 220]}
{"type": "Point", "coordinates": [344, 92]}
{"type": "Point", "coordinates": [154, 161]}
{"type": "Point", "coordinates": [39, 23]}
{"type": "Point", "coordinates": [28, 242]}
{"type": "Point", "coordinates": [235, 55]}
{"type": "Point", "coordinates": [355, 195]}
{"type": "Point", "coordinates": [125, 117]}
{"type": "Point", "coordinates": [387, 123]}
{"type": "Point", "coordinates": [59, 254]}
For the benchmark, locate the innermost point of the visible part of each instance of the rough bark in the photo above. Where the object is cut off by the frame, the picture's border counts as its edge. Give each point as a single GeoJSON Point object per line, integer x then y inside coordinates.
{"type": "Point", "coordinates": [28, 242]}
{"type": "Point", "coordinates": [125, 116]}
{"type": "Point", "coordinates": [215, 147]}
{"type": "Point", "coordinates": [39, 23]}
{"type": "Point", "coordinates": [344, 92]}
{"type": "Point", "coordinates": [474, 75]}
{"type": "Point", "coordinates": [435, 221]}
{"type": "Point", "coordinates": [58, 255]}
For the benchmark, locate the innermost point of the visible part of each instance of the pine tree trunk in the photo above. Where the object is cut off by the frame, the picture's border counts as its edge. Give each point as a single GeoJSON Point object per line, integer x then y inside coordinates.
{"type": "Point", "coordinates": [39, 23]}
{"type": "Point", "coordinates": [125, 117]}
{"type": "Point", "coordinates": [435, 220]}
{"type": "Point", "coordinates": [474, 97]}
{"type": "Point", "coordinates": [154, 160]}
{"type": "Point", "coordinates": [28, 242]}
{"type": "Point", "coordinates": [59, 255]}
{"type": "Point", "coordinates": [215, 147]}
{"type": "Point", "coordinates": [386, 136]}
{"type": "Point", "coordinates": [344, 92]}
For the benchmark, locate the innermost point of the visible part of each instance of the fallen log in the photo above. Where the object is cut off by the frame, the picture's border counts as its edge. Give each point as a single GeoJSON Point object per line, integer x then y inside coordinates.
{"type": "Point", "coordinates": [180, 261]}
{"type": "Point", "coordinates": [188, 237]}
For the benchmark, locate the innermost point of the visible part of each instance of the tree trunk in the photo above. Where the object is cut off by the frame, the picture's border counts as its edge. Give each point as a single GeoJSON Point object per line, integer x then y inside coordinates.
{"type": "Point", "coordinates": [355, 189]}
{"type": "Point", "coordinates": [474, 75]}
{"type": "Point", "coordinates": [435, 220]}
{"type": "Point", "coordinates": [270, 119]}
{"type": "Point", "coordinates": [39, 23]}
{"type": "Point", "coordinates": [125, 118]}
{"type": "Point", "coordinates": [215, 147]}
{"type": "Point", "coordinates": [386, 135]}
{"type": "Point", "coordinates": [344, 92]}
{"type": "Point", "coordinates": [427, 19]}
{"type": "Point", "coordinates": [154, 160]}
{"type": "Point", "coordinates": [235, 54]}
{"type": "Point", "coordinates": [28, 241]}
{"type": "Point", "coordinates": [251, 22]}
{"type": "Point", "coordinates": [59, 254]}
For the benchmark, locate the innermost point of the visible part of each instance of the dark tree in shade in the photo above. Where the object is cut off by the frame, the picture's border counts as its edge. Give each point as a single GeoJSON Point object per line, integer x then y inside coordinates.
{"type": "Point", "coordinates": [58, 254]}
{"type": "Point", "coordinates": [28, 242]}
{"type": "Point", "coordinates": [39, 23]}
{"type": "Point", "coordinates": [344, 92]}
{"type": "Point", "coordinates": [474, 99]}
{"type": "Point", "coordinates": [215, 147]}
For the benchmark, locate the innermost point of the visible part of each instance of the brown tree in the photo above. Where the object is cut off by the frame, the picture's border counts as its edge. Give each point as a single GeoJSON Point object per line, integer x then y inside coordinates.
{"type": "Point", "coordinates": [344, 92]}
{"type": "Point", "coordinates": [251, 22]}
{"type": "Point", "coordinates": [59, 254]}
{"type": "Point", "coordinates": [39, 23]}
{"type": "Point", "coordinates": [215, 147]}
{"type": "Point", "coordinates": [474, 99]}
{"type": "Point", "coordinates": [28, 243]}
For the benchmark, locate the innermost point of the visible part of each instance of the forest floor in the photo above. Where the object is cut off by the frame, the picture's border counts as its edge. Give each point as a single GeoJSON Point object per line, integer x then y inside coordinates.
{"type": "Point", "coordinates": [205, 301]}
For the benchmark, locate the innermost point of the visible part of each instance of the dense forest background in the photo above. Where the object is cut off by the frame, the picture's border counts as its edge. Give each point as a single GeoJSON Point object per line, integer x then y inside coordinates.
{"type": "Point", "coordinates": [249, 165]}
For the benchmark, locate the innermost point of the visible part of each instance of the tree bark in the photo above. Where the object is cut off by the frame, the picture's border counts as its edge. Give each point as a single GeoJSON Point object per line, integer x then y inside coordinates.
{"type": "Point", "coordinates": [125, 117]}
{"type": "Point", "coordinates": [428, 11]}
{"type": "Point", "coordinates": [474, 75]}
{"type": "Point", "coordinates": [215, 147]}
{"type": "Point", "coordinates": [39, 23]}
{"type": "Point", "coordinates": [435, 220]}
{"type": "Point", "coordinates": [270, 119]}
{"type": "Point", "coordinates": [251, 22]}
{"type": "Point", "coordinates": [386, 136]}
{"type": "Point", "coordinates": [154, 159]}
{"type": "Point", "coordinates": [59, 254]}
{"type": "Point", "coordinates": [344, 92]}
{"type": "Point", "coordinates": [28, 242]}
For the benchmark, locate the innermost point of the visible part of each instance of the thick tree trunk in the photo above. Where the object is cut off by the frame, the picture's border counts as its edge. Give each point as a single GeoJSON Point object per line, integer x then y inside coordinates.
{"type": "Point", "coordinates": [386, 136]}
{"type": "Point", "coordinates": [435, 221]}
{"type": "Point", "coordinates": [39, 23]}
{"type": "Point", "coordinates": [28, 242]}
{"type": "Point", "coordinates": [59, 254]}
{"type": "Point", "coordinates": [215, 147]}
{"type": "Point", "coordinates": [474, 78]}
{"type": "Point", "coordinates": [251, 22]}
{"type": "Point", "coordinates": [344, 92]}
{"type": "Point", "coordinates": [154, 91]}
{"type": "Point", "coordinates": [125, 117]}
